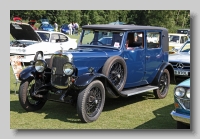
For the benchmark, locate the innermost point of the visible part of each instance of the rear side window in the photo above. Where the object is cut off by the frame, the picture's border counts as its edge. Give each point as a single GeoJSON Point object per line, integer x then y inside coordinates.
{"type": "Point", "coordinates": [153, 40]}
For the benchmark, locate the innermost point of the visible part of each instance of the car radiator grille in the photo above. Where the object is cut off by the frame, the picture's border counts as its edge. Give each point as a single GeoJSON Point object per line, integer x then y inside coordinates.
{"type": "Point", "coordinates": [183, 65]}
{"type": "Point", "coordinates": [58, 78]}
{"type": "Point", "coordinates": [185, 103]}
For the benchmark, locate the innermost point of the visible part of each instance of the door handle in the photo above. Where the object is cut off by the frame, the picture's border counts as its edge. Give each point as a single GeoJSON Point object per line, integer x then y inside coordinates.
{"type": "Point", "coordinates": [125, 58]}
{"type": "Point", "coordinates": [147, 57]}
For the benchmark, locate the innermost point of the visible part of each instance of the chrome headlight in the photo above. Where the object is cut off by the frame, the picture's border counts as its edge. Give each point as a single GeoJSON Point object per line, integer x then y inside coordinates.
{"type": "Point", "coordinates": [179, 92]}
{"type": "Point", "coordinates": [68, 69]}
{"type": "Point", "coordinates": [188, 93]}
{"type": "Point", "coordinates": [40, 65]}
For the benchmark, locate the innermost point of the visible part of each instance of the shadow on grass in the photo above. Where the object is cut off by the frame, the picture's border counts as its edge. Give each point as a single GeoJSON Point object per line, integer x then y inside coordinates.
{"type": "Point", "coordinates": [68, 113]}
{"type": "Point", "coordinates": [114, 103]}
{"type": "Point", "coordinates": [161, 119]}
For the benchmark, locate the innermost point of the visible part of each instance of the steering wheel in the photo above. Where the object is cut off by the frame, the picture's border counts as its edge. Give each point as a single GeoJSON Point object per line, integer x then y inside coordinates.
{"type": "Point", "coordinates": [97, 41]}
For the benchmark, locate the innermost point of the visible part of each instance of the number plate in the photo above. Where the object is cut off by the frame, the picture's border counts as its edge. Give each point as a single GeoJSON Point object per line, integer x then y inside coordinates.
{"type": "Point", "coordinates": [177, 72]}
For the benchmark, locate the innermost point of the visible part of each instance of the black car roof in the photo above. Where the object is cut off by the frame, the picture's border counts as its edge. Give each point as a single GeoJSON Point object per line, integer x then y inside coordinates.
{"type": "Point", "coordinates": [122, 27]}
{"type": "Point", "coordinates": [126, 27]}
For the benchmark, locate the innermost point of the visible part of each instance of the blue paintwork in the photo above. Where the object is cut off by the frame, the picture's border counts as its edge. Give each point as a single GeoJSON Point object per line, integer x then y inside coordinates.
{"type": "Point", "coordinates": [46, 27]}
{"type": "Point", "coordinates": [183, 113]}
{"type": "Point", "coordinates": [140, 70]}
{"type": "Point", "coordinates": [65, 29]}
{"type": "Point", "coordinates": [185, 83]}
{"type": "Point", "coordinates": [27, 73]}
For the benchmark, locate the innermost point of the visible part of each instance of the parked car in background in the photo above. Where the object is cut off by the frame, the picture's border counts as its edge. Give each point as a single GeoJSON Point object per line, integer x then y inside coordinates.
{"type": "Point", "coordinates": [27, 42]}
{"type": "Point", "coordinates": [184, 31]}
{"type": "Point", "coordinates": [32, 23]}
{"type": "Point", "coordinates": [95, 70]}
{"type": "Point", "coordinates": [46, 27]}
{"type": "Point", "coordinates": [44, 21]}
{"type": "Point", "coordinates": [181, 61]}
{"type": "Point", "coordinates": [176, 40]}
{"type": "Point", "coordinates": [65, 29]}
{"type": "Point", "coordinates": [17, 19]}
{"type": "Point", "coordinates": [181, 113]}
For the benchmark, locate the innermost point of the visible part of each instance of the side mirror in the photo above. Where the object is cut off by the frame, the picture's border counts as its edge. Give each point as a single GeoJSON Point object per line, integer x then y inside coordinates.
{"type": "Point", "coordinates": [38, 55]}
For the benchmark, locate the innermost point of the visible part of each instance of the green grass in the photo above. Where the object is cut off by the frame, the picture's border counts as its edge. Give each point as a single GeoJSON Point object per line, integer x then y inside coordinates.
{"type": "Point", "coordinates": [141, 111]}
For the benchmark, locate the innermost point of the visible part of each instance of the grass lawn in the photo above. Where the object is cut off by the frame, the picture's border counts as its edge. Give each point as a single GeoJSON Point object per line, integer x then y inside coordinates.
{"type": "Point", "coordinates": [141, 111]}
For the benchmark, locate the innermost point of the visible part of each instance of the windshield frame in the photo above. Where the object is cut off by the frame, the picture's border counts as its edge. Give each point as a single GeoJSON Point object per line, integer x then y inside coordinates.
{"type": "Point", "coordinates": [101, 32]}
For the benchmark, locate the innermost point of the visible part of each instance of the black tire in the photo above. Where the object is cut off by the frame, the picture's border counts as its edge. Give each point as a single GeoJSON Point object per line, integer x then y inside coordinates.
{"type": "Point", "coordinates": [163, 85]}
{"type": "Point", "coordinates": [25, 99]}
{"type": "Point", "coordinates": [93, 97]}
{"type": "Point", "coordinates": [181, 125]}
{"type": "Point", "coordinates": [115, 69]}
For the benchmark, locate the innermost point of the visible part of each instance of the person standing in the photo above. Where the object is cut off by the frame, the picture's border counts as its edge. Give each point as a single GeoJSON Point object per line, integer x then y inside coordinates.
{"type": "Point", "coordinates": [76, 26]}
{"type": "Point", "coordinates": [70, 28]}
{"type": "Point", "coordinates": [56, 26]}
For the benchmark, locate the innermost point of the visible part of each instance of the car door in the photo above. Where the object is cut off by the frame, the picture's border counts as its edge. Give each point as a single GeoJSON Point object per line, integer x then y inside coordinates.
{"type": "Point", "coordinates": [135, 60]}
{"type": "Point", "coordinates": [54, 39]}
{"type": "Point", "coordinates": [66, 42]}
{"type": "Point", "coordinates": [154, 55]}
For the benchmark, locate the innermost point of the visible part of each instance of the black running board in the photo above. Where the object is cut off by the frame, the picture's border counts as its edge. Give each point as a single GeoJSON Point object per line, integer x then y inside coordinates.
{"type": "Point", "coordinates": [138, 90]}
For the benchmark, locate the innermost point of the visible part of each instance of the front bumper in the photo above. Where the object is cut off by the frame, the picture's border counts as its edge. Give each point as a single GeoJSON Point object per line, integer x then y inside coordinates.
{"type": "Point", "coordinates": [180, 117]}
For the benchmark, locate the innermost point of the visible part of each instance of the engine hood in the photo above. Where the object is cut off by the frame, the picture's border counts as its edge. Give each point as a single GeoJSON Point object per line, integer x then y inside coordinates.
{"type": "Point", "coordinates": [23, 31]}
{"type": "Point", "coordinates": [90, 57]}
{"type": "Point", "coordinates": [182, 57]}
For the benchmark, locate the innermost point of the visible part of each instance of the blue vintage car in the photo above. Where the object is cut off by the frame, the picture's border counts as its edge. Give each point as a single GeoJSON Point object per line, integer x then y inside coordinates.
{"type": "Point", "coordinates": [65, 29]}
{"type": "Point", "coordinates": [126, 66]}
{"type": "Point", "coordinates": [181, 113]}
{"type": "Point", "coordinates": [46, 27]}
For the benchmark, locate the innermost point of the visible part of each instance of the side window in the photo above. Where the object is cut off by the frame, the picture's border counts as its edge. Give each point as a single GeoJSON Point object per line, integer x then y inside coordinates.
{"type": "Point", "coordinates": [63, 38]}
{"type": "Point", "coordinates": [54, 38]}
{"type": "Point", "coordinates": [135, 39]}
{"type": "Point", "coordinates": [183, 39]}
{"type": "Point", "coordinates": [153, 40]}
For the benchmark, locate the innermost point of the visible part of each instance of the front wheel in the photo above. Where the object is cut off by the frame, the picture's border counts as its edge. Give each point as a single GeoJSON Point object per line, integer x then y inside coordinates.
{"type": "Point", "coordinates": [163, 85]}
{"type": "Point", "coordinates": [28, 102]}
{"type": "Point", "coordinates": [91, 102]}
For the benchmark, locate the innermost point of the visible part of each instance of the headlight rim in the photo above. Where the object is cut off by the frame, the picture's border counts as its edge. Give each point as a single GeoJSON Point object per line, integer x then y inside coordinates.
{"type": "Point", "coordinates": [73, 68]}
{"type": "Point", "coordinates": [188, 93]}
{"type": "Point", "coordinates": [44, 65]}
{"type": "Point", "coordinates": [183, 93]}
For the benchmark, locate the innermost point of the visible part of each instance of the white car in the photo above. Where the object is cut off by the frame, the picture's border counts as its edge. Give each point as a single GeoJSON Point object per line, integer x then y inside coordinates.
{"type": "Point", "coordinates": [27, 41]}
{"type": "Point", "coordinates": [176, 40]}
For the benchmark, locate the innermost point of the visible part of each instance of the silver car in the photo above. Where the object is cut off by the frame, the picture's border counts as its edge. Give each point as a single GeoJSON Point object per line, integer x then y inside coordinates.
{"type": "Point", "coordinates": [181, 60]}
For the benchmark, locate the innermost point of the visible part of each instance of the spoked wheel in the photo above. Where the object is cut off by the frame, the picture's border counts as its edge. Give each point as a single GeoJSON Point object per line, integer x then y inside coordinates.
{"type": "Point", "coordinates": [115, 69]}
{"type": "Point", "coordinates": [163, 85]}
{"type": "Point", "coordinates": [91, 102]}
{"type": "Point", "coordinates": [27, 101]}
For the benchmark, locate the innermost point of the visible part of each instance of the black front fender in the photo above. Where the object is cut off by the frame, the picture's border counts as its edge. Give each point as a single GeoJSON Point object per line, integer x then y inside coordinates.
{"type": "Point", "coordinates": [83, 81]}
{"type": "Point", "coordinates": [28, 72]}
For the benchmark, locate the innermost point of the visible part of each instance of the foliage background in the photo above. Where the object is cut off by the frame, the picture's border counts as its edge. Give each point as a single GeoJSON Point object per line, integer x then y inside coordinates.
{"type": "Point", "coordinates": [170, 19]}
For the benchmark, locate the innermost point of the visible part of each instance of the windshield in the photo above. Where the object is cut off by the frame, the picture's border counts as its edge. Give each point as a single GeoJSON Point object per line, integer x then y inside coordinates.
{"type": "Point", "coordinates": [186, 47]}
{"type": "Point", "coordinates": [47, 26]}
{"type": "Point", "coordinates": [44, 36]}
{"type": "Point", "coordinates": [174, 38]}
{"type": "Point", "coordinates": [101, 38]}
{"type": "Point", "coordinates": [65, 26]}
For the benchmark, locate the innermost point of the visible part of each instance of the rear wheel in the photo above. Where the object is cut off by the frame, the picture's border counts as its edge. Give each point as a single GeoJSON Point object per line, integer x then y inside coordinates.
{"type": "Point", "coordinates": [163, 85]}
{"type": "Point", "coordinates": [91, 101]}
